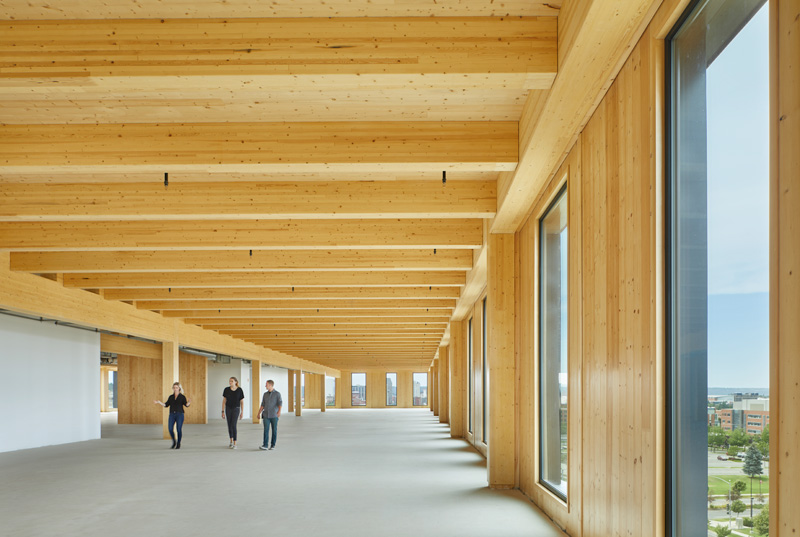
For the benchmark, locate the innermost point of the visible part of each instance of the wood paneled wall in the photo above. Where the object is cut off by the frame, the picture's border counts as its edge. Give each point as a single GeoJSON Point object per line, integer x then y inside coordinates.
{"type": "Point", "coordinates": [139, 384]}
{"type": "Point", "coordinates": [616, 441]}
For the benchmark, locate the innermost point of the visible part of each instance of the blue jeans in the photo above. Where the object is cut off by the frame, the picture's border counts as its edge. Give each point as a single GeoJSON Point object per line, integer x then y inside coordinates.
{"type": "Point", "coordinates": [176, 418]}
{"type": "Point", "coordinates": [267, 423]}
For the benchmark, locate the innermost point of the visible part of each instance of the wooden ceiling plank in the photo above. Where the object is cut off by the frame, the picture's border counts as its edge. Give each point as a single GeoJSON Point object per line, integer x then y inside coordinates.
{"type": "Point", "coordinates": [311, 313]}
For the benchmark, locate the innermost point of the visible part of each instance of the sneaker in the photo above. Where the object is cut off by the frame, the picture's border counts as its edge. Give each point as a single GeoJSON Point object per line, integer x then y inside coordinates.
{"type": "Point", "coordinates": [263, 447]}
{"type": "Point", "coordinates": [230, 444]}
{"type": "Point", "coordinates": [233, 446]}
{"type": "Point", "coordinates": [272, 447]}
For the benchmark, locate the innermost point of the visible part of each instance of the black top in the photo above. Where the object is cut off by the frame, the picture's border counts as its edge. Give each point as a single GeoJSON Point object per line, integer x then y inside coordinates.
{"type": "Point", "coordinates": [176, 405]}
{"type": "Point", "coordinates": [232, 397]}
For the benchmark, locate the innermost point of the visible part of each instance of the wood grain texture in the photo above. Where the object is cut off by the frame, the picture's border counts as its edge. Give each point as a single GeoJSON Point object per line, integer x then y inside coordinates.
{"type": "Point", "coordinates": [139, 383]}
{"type": "Point", "coordinates": [235, 235]}
{"type": "Point", "coordinates": [784, 265]}
{"type": "Point", "coordinates": [247, 201]}
{"type": "Point", "coordinates": [213, 9]}
{"type": "Point", "coordinates": [592, 46]}
{"type": "Point", "coordinates": [262, 147]}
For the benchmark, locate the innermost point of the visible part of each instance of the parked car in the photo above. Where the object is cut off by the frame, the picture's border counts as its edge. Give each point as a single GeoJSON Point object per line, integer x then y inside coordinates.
{"type": "Point", "coordinates": [722, 458]}
{"type": "Point", "coordinates": [741, 454]}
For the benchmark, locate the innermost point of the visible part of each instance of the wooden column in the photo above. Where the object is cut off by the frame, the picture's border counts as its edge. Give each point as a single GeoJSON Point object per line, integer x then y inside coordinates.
{"type": "Point", "coordinates": [103, 389]}
{"type": "Point", "coordinates": [784, 486]}
{"type": "Point", "coordinates": [298, 392]}
{"type": "Point", "coordinates": [430, 387]}
{"type": "Point", "coordinates": [444, 387]}
{"type": "Point", "coordinates": [500, 312]}
{"type": "Point", "coordinates": [322, 393]}
{"type": "Point", "coordinates": [458, 380]}
{"type": "Point", "coordinates": [290, 392]}
{"type": "Point", "coordinates": [434, 393]}
{"type": "Point", "coordinates": [169, 375]}
{"type": "Point", "coordinates": [255, 387]}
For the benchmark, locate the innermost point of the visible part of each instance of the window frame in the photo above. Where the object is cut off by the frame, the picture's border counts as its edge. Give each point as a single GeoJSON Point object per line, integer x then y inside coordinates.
{"type": "Point", "coordinates": [387, 389]}
{"type": "Point", "coordinates": [427, 381]}
{"type": "Point", "coordinates": [561, 193]}
{"type": "Point", "coordinates": [365, 388]}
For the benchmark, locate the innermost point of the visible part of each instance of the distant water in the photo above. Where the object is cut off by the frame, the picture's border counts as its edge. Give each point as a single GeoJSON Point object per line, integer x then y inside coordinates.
{"type": "Point", "coordinates": [727, 391]}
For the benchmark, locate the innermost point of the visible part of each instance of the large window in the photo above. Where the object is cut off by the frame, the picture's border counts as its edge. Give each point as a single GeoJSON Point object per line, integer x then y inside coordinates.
{"type": "Point", "coordinates": [471, 369]}
{"type": "Point", "coordinates": [553, 294]}
{"type": "Point", "coordinates": [718, 267]}
{"type": "Point", "coordinates": [358, 383]}
{"type": "Point", "coordinates": [420, 389]}
{"type": "Point", "coordinates": [484, 375]}
{"type": "Point", "coordinates": [391, 389]}
{"type": "Point", "coordinates": [330, 391]}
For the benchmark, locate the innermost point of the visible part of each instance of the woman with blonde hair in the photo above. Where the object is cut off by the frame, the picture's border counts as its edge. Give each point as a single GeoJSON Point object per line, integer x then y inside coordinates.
{"type": "Point", "coordinates": [232, 407]}
{"type": "Point", "coordinates": [176, 402]}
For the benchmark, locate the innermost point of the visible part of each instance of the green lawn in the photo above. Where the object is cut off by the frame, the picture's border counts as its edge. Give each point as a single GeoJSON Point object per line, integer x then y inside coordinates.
{"type": "Point", "coordinates": [717, 487]}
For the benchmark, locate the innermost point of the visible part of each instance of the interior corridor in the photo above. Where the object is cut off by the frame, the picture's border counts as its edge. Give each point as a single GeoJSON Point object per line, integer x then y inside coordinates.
{"type": "Point", "coordinates": [367, 472]}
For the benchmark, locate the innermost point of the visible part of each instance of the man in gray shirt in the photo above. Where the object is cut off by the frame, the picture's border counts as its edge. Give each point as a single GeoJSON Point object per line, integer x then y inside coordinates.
{"type": "Point", "coordinates": [270, 411]}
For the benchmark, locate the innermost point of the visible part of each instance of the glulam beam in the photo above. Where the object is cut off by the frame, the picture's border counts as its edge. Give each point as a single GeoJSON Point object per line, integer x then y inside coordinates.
{"type": "Point", "coordinates": [241, 201]}
{"type": "Point", "coordinates": [488, 52]}
{"type": "Point", "coordinates": [165, 235]}
{"type": "Point", "coordinates": [260, 147]}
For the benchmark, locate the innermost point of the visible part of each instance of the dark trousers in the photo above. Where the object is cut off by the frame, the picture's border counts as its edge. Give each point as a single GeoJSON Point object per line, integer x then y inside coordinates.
{"type": "Point", "coordinates": [232, 415]}
{"type": "Point", "coordinates": [176, 418]}
{"type": "Point", "coordinates": [267, 423]}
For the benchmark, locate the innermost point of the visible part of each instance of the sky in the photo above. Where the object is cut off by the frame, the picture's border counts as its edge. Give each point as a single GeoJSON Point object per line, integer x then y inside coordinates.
{"type": "Point", "coordinates": [738, 209]}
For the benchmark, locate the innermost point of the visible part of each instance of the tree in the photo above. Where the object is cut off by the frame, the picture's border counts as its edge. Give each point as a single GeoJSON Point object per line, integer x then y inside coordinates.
{"type": "Point", "coordinates": [738, 438]}
{"type": "Point", "coordinates": [761, 522]}
{"type": "Point", "coordinates": [737, 489]}
{"type": "Point", "coordinates": [738, 506]}
{"type": "Point", "coordinates": [716, 437]}
{"type": "Point", "coordinates": [763, 442]}
{"type": "Point", "coordinates": [752, 467]}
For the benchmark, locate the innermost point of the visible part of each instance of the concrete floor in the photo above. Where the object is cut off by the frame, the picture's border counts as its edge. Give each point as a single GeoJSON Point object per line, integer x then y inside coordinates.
{"type": "Point", "coordinates": [348, 472]}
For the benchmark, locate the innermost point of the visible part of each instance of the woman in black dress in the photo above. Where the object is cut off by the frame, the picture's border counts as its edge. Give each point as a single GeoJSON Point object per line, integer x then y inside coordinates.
{"type": "Point", "coordinates": [176, 402]}
{"type": "Point", "coordinates": [232, 408]}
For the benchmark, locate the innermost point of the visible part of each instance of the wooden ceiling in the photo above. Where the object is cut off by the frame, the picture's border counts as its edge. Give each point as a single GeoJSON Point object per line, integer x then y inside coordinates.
{"type": "Point", "coordinates": [273, 171]}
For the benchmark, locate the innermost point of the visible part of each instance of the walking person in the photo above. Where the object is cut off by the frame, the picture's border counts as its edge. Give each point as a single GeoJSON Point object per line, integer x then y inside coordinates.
{"type": "Point", "coordinates": [176, 402]}
{"type": "Point", "coordinates": [232, 407]}
{"type": "Point", "coordinates": [270, 411]}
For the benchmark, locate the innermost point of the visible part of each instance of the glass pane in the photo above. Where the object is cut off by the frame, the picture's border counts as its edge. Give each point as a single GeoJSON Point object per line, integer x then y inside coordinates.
{"type": "Point", "coordinates": [553, 346]}
{"type": "Point", "coordinates": [391, 389]}
{"type": "Point", "coordinates": [719, 271]}
{"type": "Point", "coordinates": [112, 389]}
{"type": "Point", "coordinates": [420, 381]}
{"type": "Point", "coordinates": [358, 389]}
{"type": "Point", "coordinates": [330, 391]}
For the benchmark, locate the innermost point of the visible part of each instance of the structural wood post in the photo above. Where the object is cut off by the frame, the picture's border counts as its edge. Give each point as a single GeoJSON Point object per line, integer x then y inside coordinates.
{"type": "Point", "coordinates": [322, 393]}
{"type": "Point", "coordinates": [784, 487]}
{"type": "Point", "coordinates": [500, 312]}
{"type": "Point", "coordinates": [434, 391]}
{"type": "Point", "coordinates": [169, 375]}
{"type": "Point", "coordinates": [458, 380]}
{"type": "Point", "coordinates": [255, 386]}
{"type": "Point", "coordinates": [290, 392]}
{"type": "Point", "coordinates": [298, 392]}
{"type": "Point", "coordinates": [444, 389]}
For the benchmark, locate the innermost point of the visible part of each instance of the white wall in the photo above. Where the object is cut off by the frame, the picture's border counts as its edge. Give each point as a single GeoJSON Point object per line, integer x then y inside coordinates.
{"type": "Point", "coordinates": [51, 384]}
{"type": "Point", "coordinates": [218, 375]}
